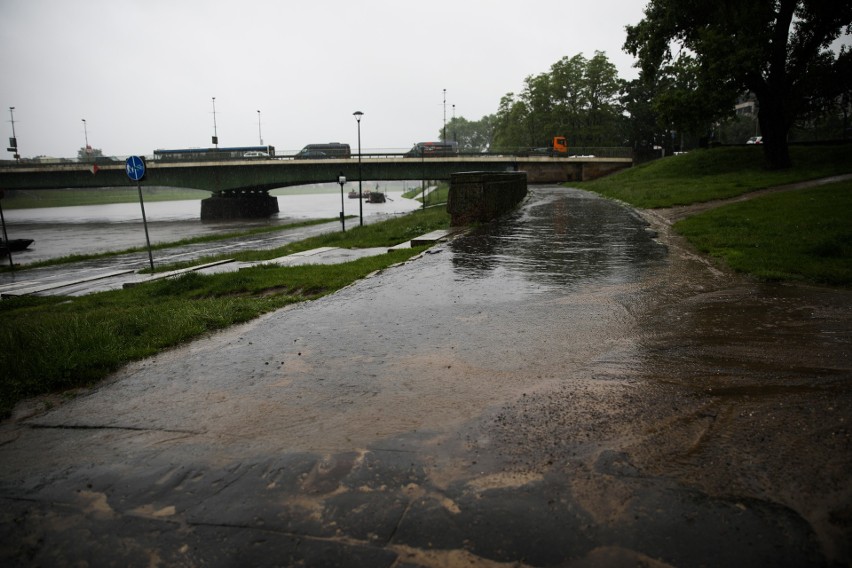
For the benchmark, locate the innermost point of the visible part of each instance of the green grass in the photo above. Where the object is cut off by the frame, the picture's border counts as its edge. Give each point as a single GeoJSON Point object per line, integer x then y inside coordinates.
{"type": "Point", "coordinates": [801, 236]}
{"type": "Point", "coordinates": [56, 343]}
{"type": "Point", "coordinates": [439, 195]}
{"type": "Point", "coordinates": [718, 173]}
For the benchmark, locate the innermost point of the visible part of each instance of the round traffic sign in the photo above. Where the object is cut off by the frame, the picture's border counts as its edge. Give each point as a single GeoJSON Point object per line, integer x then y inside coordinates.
{"type": "Point", "coordinates": [135, 168]}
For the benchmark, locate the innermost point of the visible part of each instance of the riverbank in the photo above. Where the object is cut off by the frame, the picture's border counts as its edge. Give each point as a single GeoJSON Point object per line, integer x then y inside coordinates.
{"type": "Point", "coordinates": [55, 343]}
{"type": "Point", "coordinates": [559, 388]}
{"type": "Point", "coordinates": [729, 208]}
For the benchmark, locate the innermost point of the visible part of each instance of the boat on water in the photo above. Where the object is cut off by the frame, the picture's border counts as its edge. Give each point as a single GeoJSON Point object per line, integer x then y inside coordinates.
{"type": "Point", "coordinates": [364, 194]}
{"type": "Point", "coordinates": [14, 245]}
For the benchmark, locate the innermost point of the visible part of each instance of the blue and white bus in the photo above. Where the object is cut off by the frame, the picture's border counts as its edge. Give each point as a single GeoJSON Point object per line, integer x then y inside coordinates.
{"type": "Point", "coordinates": [195, 154]}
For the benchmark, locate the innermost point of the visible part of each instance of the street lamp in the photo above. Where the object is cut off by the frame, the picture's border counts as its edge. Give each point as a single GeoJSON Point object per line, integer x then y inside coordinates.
{"type": "Point", "coordinates": [86, 149]}
{"type": "Point", "coordinates": [215, 133]}
{"type": "Point", "coordinates": [259, 135]}
{"type": "Point", "coordinates": [13, 141]}
{"type": "Point", "coordinates": [445, 117]}
{"type": "Point", "coordinates": [358, 114]}
{"type": "Point", "coordinates": [341, 179]}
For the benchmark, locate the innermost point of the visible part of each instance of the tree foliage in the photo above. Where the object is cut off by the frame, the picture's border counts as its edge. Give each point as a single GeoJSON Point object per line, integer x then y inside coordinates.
{"type": "Point", "coordinates": [472, 136]}
{"type": "Point", "coordinates": [777, 49]}
{"type": "Point", "coordinates": [578, 98]}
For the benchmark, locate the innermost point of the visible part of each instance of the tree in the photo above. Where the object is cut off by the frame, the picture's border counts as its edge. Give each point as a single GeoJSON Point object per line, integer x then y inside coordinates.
{"type": "Point", "coordinates": [472, 136]}
{"type": "Point", "coordinates": [578, 98]}
{"type": "Point", "coordinates": [773, 48]}
{"type": "Point", "coordinates": [89, 154]}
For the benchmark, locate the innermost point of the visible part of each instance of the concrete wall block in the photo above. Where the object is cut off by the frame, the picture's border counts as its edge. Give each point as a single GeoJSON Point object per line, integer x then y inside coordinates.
{"type": "Point", "coordinates": [484, 196]}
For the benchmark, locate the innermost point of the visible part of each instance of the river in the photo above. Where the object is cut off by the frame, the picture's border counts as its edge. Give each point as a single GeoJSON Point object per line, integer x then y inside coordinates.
{"type": "Point", "coordinates": [63, 231]}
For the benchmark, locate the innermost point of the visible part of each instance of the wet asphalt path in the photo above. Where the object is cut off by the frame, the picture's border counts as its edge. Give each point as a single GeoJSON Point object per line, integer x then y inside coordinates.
{"type": "Point", "coordinates": [560, 388]}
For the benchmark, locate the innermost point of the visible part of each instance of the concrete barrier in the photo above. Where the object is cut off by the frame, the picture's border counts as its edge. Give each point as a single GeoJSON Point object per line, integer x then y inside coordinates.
{"type": "Point", "coordinates": [484, 196]}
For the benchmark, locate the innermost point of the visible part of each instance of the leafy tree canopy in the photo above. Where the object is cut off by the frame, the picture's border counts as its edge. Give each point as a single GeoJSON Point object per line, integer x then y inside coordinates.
{"type": "Point", "coordinates": [578, 98]}
{"type": "Point", "coordinates": [777, 49]}
{"type": "Point", "coordinates": [472, 136]}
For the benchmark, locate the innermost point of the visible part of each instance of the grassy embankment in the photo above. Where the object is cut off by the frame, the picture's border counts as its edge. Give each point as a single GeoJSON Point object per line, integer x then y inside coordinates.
{"type": "Point", "coordinates": [802, 235]}
{"type": "Point", "coordinates": [55, 343]}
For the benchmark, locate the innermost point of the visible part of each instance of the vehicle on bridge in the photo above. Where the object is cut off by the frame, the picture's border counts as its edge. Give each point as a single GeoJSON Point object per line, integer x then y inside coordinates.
{"type": "Point", "coordinates": [324, 151]}
{"type": "Point", "coordinates": [557, 147]}
{"type": "Point", "coordinates": [433, 149]}
{"type": "Point", "coordinates": [196, 154]}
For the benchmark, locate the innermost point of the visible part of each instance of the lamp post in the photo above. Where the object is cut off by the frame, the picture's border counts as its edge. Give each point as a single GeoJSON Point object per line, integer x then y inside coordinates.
{"type": "Point", "coordinates": [358, 114]}
{"type": "Point", "coordinates": [341, 179]}
{"type": "Point", "coordinates": [259, 135]}
{"type": "Point", "coordinates": [445, 117]}
{"type": "Point", "coordinates": [13, 141]}
{"type": "Point", "coordinates": [215, 133]}
{"type": "Point", "coordinates": [86, 149]}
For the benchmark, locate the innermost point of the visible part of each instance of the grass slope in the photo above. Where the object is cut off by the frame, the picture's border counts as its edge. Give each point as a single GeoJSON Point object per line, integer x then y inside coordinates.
{"type": "Point", "coordinates": [803, 235]}
{"type": "Point", "coordinates": [796, 236]}
{"type": "Point", "coordinates": [719, 173]}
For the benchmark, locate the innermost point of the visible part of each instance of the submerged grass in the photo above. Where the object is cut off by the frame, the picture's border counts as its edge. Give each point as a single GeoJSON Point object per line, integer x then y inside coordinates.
{"type": "Point", "coordinates": [33, 199]}
{"type": "Point", "coordinates": [718, 173]}
{"type": "Point", "coordinates": [56, 343]}
{"type": "Point", "coordinates": [160, 246]}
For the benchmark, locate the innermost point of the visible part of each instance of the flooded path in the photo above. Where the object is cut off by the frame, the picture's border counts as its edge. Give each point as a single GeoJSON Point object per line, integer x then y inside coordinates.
{"type": "Point", "coordinates": [563, 387]}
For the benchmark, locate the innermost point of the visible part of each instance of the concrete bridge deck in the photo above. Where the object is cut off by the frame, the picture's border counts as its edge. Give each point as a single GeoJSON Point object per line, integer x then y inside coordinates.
{"type": "Point", "coordinates": [266, 174]}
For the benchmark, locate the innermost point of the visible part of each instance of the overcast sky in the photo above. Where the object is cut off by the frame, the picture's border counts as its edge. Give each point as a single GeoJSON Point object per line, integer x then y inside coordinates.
{"type": "Point", "coordinates": [143, 73]}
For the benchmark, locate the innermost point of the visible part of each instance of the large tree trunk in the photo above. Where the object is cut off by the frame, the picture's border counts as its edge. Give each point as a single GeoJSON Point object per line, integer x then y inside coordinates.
{"type": "Point", "coordinates": [775, 124]}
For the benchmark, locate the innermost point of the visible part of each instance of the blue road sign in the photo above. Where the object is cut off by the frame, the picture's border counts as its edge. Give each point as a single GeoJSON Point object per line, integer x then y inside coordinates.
{"type": "Point", "coordinates": [135, 168]}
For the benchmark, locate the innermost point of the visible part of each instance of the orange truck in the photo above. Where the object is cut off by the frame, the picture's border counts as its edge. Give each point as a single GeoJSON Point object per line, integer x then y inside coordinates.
{"type": "Point", "coordinates": [558, 147]}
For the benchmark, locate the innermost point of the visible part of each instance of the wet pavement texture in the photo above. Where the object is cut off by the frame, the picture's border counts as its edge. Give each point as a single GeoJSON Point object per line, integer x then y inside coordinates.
{"type": "Point", "coordinates": [568, 386]}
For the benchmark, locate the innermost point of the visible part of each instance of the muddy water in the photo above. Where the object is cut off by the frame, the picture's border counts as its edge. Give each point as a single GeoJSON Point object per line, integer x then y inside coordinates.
{"type": "Point", "coordinates": [560, 387]}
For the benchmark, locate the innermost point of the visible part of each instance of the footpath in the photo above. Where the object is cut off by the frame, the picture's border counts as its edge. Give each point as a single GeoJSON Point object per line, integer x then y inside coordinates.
{"type": "Point", "coordinates": [562, 388]}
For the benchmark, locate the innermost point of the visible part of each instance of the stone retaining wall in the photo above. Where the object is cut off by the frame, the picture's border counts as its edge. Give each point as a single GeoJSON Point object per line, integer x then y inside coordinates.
{"type": "Point", "coordinates": [484, 196]}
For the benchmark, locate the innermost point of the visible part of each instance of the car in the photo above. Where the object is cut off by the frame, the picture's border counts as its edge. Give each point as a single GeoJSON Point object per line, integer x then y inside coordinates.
{"type": "Point", "coordinates": [255, 155]}
{"type": "Point", "coordinates": [755, 140]}
{"type": "Point", "coordinates": [311, 155]}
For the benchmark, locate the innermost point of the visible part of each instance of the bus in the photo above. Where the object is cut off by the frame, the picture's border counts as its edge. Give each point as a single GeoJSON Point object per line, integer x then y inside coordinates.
{"type": "Point", "coordinates": [433, 149]}
{"type": "Point", "coordinates": [324, 151]}
{"type": "Point", "coordinates": [195, 154]}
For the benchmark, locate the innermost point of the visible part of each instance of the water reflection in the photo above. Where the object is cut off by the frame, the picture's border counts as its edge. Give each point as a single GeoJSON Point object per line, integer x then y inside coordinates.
{"type": "Point", "coordinates": [563, 237]}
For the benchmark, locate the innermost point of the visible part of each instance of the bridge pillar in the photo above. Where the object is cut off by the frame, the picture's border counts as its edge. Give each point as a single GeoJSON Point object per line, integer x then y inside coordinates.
{"type": "Point", "coordinates": [238, 204]}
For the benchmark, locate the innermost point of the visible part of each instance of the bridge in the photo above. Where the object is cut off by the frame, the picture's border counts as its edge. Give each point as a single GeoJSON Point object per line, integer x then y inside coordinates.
{"type": "Point", "coordinates": [240, 187]}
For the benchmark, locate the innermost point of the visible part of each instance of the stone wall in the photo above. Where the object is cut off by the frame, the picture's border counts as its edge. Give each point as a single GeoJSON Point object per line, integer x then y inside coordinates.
{"type": "Point", "coordinates": [484, 196]}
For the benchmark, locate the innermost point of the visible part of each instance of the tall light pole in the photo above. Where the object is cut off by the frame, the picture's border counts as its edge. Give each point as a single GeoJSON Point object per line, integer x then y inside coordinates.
{"type": "Point", "coordinates": [358, 114]}
{"type": "Point", "coordinates": [259, 135]}
{"type": "Point", "coordinates": [341, 179]}
{"type": "Point", "coordinates": [215, 133]}
{"type": "Point", "coordinates": [445, 116]}
{"type": "Point", "coordinates": [13, 141]}
{"type": "Point", "coordinates": [86, 149]}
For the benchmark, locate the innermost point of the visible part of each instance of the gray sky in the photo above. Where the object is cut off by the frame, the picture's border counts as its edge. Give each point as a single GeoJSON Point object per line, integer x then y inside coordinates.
{"type": "Point", "coordinates": [143, 73]}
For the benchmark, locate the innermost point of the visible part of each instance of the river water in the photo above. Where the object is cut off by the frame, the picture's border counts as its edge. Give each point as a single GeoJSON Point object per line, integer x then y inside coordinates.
{"type": "Point", "coordinates": [62, 231]}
